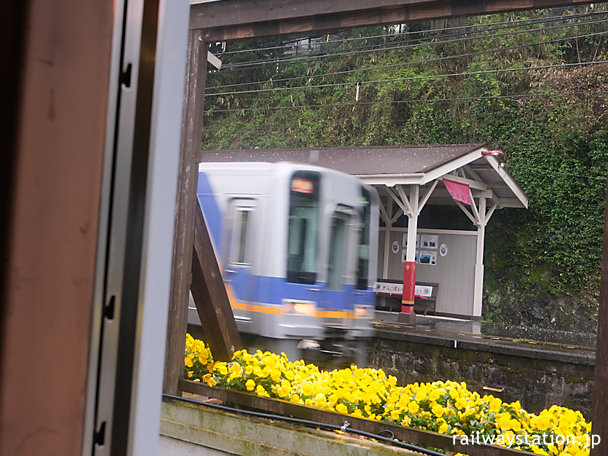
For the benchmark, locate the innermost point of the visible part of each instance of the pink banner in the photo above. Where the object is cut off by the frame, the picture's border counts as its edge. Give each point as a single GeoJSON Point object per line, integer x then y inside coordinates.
{"type": "Point", "coordinates": [460, 192]}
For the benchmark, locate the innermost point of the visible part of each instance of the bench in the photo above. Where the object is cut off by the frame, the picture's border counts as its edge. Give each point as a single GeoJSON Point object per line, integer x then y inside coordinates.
{"type": "Point", "coordinates": [389, 293]}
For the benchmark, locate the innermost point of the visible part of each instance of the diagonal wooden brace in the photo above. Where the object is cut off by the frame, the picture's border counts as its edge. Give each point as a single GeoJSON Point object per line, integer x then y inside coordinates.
{"type": "Point", "coordinates": [209, 293]}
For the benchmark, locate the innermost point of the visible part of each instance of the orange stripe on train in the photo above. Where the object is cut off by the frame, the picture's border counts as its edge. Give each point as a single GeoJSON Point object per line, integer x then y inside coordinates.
{"type": "Point", "coordinates": [279, 310]}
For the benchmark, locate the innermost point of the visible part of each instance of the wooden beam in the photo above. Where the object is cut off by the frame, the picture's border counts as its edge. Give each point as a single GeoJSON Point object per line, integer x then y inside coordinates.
{"type": "Point", "coordinates": [238, 19]}
{"type": "Point", "coordinates": [196, 71]}
{"type": "Point", "coordinates": [483, 167]}
{"type": "Point", "coordinates": [383, 212]}
{"type": "Point", "coordinates": [213, 60]}
{"type": "Point", "coordinates": [398, 213]}
{"type": "Point", "coordinates": [411, 210]}
{"type": "Point", "coordinates": [239, 12]}
{"type": "Point", "coordinates": [470, 182]}
{"type": "Point", "coordinates": [399, 202]}
{"type": "Point", "coordinates": [210, 297]}
{"type": "Point", "coordinates": [474, 209]}
{"type": "Point", "coordinates": [426, 197]}
{"type": "Point", "coordinates": [466, 211]}
{"type": "Point", "coordinates": [488, 214]}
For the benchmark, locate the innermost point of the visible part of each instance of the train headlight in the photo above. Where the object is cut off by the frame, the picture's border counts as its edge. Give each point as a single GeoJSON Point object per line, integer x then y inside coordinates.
{"type": "Point", "coordinates": [362, 311]}
{"type": "Point", "coordinates": [300, 307]}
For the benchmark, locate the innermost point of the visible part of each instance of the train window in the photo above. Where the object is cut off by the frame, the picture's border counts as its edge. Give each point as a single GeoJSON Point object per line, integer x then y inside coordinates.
{"type": "Point", "coordinates": [242, 244]}
{"type": "Point", "coordinates": [302, 237]}
{"type": "Point", "coordinates": [240, 232]}
{"type": "Point", "coordinates": [363, 251]}
{"type": "Point", "coordinates": [337, 252]}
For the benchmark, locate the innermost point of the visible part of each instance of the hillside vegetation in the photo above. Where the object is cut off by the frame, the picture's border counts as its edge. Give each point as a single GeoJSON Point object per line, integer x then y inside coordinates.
{"type": "Point", "coordinates": [531, 84]}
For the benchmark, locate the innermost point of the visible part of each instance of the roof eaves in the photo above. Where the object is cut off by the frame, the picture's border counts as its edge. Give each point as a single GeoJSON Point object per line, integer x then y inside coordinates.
{"type": "Point", "coordinates": [390, 180]}
{"type": "Point", "coordinates": [453, 165]}
{"type": "Point", "coordinates": [506, 177]}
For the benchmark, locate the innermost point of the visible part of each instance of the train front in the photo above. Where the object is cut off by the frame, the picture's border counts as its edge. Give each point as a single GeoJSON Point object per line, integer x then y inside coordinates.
{"type": "Point", "coordinates": [331, 251]}
{"type": "Point", "coordinates": [297, 245]}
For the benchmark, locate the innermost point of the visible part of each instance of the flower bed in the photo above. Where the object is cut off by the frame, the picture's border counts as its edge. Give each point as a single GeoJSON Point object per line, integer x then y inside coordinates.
{"type": "Point", "coordinates": [444, 407]}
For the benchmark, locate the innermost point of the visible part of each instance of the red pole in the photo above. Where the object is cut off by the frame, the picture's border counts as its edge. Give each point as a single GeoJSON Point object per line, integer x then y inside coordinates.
{"type": "Point", "coordinates": [409, 287]}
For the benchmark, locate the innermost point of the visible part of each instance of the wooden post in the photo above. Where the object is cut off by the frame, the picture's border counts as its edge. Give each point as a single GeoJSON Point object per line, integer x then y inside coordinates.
{"type": "Point", "coordinates": [210, 295]}
{"type": "Point", "coordinates": [196, 71]}
{"type": "Point", "coordinates": [599, 409]}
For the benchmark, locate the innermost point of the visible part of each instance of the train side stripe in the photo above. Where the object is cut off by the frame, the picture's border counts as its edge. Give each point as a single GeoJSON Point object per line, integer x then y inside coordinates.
{"type": "Point", "coordinates": [278, 310]}
{"type": "Point", "coordinates": [334, 314]}
{"type": "Point", "coordinates": [257, 308]}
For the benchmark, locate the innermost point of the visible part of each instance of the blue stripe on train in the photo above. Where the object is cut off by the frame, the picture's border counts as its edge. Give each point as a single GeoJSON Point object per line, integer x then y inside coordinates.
{"type": "Point", "coordinates": [213, 215]}
{"type": "Point", "coordinates": [272, 290]}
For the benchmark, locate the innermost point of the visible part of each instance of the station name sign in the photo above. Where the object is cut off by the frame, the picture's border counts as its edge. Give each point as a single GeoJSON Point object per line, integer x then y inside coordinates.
{"type": "Point", "coordinates": [396, 289]}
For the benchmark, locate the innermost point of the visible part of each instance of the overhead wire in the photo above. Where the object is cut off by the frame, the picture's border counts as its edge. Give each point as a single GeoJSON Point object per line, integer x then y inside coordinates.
{"type": "Point", "coordinates": [409, 101]}
{"type": "Point", "coordinates": [385, 35]}
{"type": "Point", "coordinates": [489, 27]}
{"type": "Point", "coordinates": [409, 78]}
{"type": "Point", "coordinates": [389, 47]}
{"type": "Point", "coordinates": [408, 63]}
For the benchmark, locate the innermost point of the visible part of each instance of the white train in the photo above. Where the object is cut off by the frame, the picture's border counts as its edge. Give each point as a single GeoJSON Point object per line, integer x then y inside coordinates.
{"type": "Point", "coordinates": [297, 245]}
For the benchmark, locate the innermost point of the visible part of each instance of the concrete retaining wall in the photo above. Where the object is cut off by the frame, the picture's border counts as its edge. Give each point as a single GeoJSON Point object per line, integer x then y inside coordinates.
{"type": "Point", "coordinates": [537, 378]}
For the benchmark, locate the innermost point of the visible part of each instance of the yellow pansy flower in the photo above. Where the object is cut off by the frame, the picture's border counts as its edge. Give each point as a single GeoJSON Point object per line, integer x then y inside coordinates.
{"type": "Point", "coordinates": [413, 407]}
{"type": "Point", "coordinates": [341, 408]}
{"type": "Point", "coordinates": [188, 360]}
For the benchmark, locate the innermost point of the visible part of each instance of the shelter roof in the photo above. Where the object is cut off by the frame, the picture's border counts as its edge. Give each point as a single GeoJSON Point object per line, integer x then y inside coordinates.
{"type": "Point", "coordinates": [355, 160]}
{"type": "Point", "coordinates": [398, 165]}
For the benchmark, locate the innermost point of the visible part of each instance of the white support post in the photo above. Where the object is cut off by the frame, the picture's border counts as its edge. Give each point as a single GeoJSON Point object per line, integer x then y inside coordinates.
{"type": "Point", "coordinates": [387, 237]}
{"type": "Point", "coordinates": [481, 231]}
{"type": "Point", "coordinates": [412, 223]}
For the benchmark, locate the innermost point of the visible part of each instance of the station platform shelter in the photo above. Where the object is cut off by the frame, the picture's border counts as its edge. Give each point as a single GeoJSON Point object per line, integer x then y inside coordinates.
{"type": "Point", "coordinates": [436, 202]}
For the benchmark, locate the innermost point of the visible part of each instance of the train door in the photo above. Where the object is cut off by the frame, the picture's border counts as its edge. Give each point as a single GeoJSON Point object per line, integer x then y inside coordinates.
{"type": "Point", "coordinates": [239, 254]}
{"type": "Point", "coordinates": [343, 235]}
{"type": "Point", "coordinates": [364, 297]}
{"type": "Point", "coordinates": [303, 230]}
{"type": "Point", "coordinates": [367, 249]}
